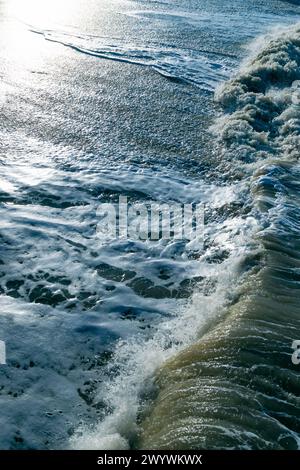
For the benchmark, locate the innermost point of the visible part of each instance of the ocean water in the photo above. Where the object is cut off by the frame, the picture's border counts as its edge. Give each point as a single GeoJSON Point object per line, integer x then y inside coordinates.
{"type": "Point", "coordinates": [149, 344]}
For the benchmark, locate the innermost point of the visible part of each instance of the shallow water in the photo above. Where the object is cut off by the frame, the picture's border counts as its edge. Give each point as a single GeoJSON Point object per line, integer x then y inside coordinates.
{"type": "Point", "coordinates": [148, 344]}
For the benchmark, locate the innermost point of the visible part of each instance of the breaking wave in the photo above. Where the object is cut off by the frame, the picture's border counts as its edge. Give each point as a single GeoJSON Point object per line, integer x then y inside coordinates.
{"type": "Point", "coordinates": [236, 387]}
{"type": "Point", "coordinates": [219, 374]}
{"type": "Point", "coordinates": [202, 68]}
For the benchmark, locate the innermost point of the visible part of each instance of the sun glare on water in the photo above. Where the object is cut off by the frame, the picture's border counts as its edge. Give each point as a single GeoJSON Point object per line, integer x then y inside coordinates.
{"type": "Point", "coordinates": [20, 45]}
{"type": "Point", "coordinates": [42, 12]}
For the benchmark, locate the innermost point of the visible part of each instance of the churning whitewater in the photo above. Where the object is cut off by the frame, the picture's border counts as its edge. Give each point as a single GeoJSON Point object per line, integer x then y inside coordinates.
{"type": "Point", "coordinates": [219, 373]}
{"type": "Point", "coordinates": [237, 387]}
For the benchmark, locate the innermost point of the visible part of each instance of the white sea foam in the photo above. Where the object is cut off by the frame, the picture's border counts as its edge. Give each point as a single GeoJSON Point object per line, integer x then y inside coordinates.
{"type": "Point", "coordinates": [200, 67]}
{"type": "Point", "coordinates": [138, 358]}
{"type": "Point", "coordinates": [50, 255]}
{"type": "Point", "coordinates": [260, 120]}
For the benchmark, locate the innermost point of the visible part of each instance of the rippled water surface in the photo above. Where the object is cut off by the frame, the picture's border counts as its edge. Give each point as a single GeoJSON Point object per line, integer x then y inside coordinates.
{"type": "Point", "coordinates": [149, 344]}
